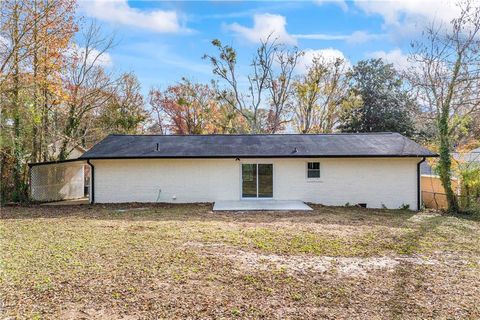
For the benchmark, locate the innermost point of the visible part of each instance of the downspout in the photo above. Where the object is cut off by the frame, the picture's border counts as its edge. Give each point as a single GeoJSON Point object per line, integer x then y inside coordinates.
{"type": "Point", "coordinates": [419, 191]}
{"type": "Point", "coordinates": [30, 198]}
{"type": "Point", "coordinates": [92, 182]}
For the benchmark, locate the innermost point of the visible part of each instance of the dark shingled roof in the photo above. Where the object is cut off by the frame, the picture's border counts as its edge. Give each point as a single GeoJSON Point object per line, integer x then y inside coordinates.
{"type": "Point", "coordinates": [256, 146]}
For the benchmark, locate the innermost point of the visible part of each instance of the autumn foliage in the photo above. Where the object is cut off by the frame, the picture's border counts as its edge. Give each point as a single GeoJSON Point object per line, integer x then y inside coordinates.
{"type": "Point", "coordinates": [192, 108]}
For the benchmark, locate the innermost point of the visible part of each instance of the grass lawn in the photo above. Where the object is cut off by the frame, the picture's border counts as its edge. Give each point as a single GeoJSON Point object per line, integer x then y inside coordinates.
{"type": "Point", "coordinates": [171, 261]}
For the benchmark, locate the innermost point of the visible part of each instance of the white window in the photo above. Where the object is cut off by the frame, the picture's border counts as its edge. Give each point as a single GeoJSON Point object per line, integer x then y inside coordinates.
{"type": "Point", "coordinates": [313, 170]}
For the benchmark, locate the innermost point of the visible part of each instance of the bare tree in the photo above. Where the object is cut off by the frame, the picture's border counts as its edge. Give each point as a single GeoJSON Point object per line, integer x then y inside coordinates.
{"type": "Point", "coordinates": [88, 86]}
{"type": "Point", "coordinates": [280, 86]}
{"type": "Point", "coordinates": [263, 80]}
{"type": "Point", "coordinates": [318, 95]}
{"type": "Point", "coordinates": [157, 116]}
{"type": "Point", "coordinates": [447, 74]}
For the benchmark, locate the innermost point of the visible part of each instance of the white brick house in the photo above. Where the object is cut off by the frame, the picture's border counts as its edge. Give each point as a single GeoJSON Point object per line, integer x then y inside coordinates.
{"type": "Point", "coordinates": [377, 169]}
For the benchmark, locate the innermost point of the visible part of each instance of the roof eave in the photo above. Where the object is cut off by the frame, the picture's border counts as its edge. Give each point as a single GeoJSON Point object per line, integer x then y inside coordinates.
{"type": "Point", "coordinates": [262, 156]}
{"type": "Point", "coordinates": [33, 164]}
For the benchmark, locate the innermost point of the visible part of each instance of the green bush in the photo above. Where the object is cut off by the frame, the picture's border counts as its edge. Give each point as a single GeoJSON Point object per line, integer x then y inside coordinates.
{"type": "Point", "coordinates": [470, 188]}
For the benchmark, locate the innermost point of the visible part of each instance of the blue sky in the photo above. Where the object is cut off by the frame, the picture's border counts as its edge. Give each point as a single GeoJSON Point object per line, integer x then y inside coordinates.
{"type": "Point", "coordinates": [163, 41]}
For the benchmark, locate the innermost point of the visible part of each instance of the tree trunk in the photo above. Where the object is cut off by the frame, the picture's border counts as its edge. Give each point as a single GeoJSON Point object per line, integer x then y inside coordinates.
{"type": "Point", "coordinates": [445, 162]}
{"type": "Point", "coordinates": [44, 126]}
{"type": "Point", "coordinates": [35, 150]}
{"type": "Point", "coordinates": [17, 143]}
{"type": "Point", "coordinates": [70, 128]}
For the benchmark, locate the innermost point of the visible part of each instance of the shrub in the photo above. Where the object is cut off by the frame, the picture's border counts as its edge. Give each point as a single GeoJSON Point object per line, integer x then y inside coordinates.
{"type": "Point", "coordinates": [470, 188]}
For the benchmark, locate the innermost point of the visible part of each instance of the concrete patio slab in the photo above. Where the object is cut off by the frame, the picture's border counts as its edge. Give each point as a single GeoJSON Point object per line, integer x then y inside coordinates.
{"type": "Point", "coordinates": [261, 205]}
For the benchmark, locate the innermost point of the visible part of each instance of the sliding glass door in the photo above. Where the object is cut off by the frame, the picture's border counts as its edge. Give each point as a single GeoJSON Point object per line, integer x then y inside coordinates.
{"type": "Point", "coordinates": [265, 180]}
{"type": "Point", "coordinates": [249, 180]}
{"type": "Point", "coordinates": [257, 180]}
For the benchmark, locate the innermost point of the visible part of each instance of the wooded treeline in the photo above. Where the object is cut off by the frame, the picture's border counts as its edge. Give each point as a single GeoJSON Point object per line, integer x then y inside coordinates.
{"type": "Point", "coordinates": [57, 93]}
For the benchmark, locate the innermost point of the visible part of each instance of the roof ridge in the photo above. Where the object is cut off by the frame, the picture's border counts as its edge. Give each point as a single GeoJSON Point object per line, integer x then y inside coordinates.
{"type": "Point", "coordinates": [254, 134]}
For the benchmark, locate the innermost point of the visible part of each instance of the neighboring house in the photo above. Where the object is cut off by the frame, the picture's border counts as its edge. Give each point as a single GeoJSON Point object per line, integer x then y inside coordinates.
{"type": "Point", "coordinates": [74, 151]}
{"type": "Point", "coordinates": [426, 169]}
{"type": "Point", "coordinates": [375, 169]}
{"type": "Point", "coordinates": [471, 157]}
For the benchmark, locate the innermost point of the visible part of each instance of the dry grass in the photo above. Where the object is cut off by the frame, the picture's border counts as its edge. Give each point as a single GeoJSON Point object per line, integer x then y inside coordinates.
{"type": "Point", "coordinates": [167, 261]}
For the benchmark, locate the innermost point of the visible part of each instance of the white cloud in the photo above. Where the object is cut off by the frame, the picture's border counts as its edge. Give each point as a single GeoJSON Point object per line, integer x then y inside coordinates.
{"type": "Point", "coordinates": [362, 37]}
{"type": "Point", "coordinates": [409, 16]}
{"type": "Point", "coordinates": [329, 54]}
{"type": "Point", "coordinates": [354, 38]}
{"type": "Point", "coordinates": [4, 41]}
{"type": "Point", "coordinates": [118, 11]}
{"type": "Point", "coordinates": [392, 11]}
{"type": "Point", "coordinates": [321, 36]}
{"type": "Point", "coordinates": [264, 25]}
{"type": "Point", "coordinates": [102, 60]}
{"type": "Point", "coordinates": [341, 3]}
{"type": "Point", "coordinates": [4, 45]}
{"type": "Point", "coordinates": [395, 56]}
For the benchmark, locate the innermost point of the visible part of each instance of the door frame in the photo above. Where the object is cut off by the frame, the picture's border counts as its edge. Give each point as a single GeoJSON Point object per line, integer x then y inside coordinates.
{"type": "Point", "coordinates": [241, 180]}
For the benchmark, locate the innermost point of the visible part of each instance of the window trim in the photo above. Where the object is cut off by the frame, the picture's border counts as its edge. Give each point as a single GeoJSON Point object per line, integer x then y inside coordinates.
{"type": "Point", "coordinates": [307, 170]}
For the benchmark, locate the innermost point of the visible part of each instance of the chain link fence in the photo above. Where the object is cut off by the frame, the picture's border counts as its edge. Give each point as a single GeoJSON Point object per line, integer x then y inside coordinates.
{"type": "Point", "coordinates": [434, 200]}
{"type": "Point", "coordinates": [57, 181]}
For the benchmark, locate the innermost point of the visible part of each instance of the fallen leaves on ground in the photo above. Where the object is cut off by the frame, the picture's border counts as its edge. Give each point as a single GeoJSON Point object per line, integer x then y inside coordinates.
{"type": "Point", "coordinates": [184, 261]}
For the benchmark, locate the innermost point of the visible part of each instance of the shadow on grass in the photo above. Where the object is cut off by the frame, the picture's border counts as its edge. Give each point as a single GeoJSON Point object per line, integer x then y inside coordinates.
{"type": "Point", "coordinates": [411, 242]}
{"type": "Point", "coordinates": [348, 216]}
{"type": "Point", "coordinates": [410, 277]}
{"type": "Point", "coordinates": [470, 216]}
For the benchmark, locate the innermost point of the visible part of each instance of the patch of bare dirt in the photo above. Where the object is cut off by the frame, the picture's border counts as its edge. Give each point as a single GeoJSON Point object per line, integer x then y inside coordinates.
{"type": "Point", "coordinates": [294, 264]}
{"type": "Point", "coordinates": [422, 216]}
